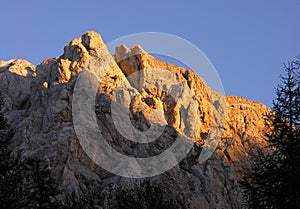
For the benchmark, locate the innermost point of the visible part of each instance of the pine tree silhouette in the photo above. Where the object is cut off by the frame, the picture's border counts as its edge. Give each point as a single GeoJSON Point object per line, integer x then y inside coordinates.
{"type": "Point", "coordinates": [40, 187]}
{"type": "Point", "coordinates": [275, 178]}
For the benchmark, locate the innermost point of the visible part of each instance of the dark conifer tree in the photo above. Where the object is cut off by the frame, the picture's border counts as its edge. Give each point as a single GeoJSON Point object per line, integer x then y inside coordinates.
{"type": "Point", "coordinates": [40, 188]}
{"type": "Point", "coordinates": [274, 181]}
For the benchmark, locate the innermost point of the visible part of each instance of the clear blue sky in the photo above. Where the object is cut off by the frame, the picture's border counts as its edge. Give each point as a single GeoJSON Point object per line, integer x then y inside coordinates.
{"type": "Point", "coordinates": [247, 41]}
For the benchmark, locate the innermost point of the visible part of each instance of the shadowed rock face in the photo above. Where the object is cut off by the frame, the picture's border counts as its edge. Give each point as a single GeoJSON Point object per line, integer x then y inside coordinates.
{"type": "Point", "coordinates": [38, 105]}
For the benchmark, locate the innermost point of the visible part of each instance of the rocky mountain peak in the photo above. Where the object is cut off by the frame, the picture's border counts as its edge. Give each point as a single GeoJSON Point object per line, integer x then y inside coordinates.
{"type": "Point", "coordinates": [19, 67]}
{"type": "Point", "coordinates": [122, 52]}
{"type": "Point", "coordinates": [40, 111]}
{"type": "Point", "coordinates": [79, 49]}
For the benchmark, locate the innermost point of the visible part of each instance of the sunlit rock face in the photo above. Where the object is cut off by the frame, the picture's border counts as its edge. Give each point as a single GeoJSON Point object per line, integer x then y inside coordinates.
{"type": "Point", "coordinates": [38, 105]}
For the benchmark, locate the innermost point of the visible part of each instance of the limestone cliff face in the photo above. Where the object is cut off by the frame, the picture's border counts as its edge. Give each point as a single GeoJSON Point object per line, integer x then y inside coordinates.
{"type": "Point", "coordinates": [38, 105]}
{"type": "Point", "coordinates": [244, 123]}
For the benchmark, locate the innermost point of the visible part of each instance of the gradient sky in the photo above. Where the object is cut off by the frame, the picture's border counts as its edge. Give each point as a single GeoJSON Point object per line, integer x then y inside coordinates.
{"type": "Point", "coordinates": [247, 41]}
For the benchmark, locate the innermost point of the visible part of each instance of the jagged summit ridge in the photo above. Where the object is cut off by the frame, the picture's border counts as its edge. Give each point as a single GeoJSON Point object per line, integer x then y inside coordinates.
{"type": "Point", "coordinates": [40, 110]}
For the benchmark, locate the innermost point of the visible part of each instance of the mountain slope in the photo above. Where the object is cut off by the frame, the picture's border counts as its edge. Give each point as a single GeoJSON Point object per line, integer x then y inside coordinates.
{"type": "Point", "coordinates": [38, 105]}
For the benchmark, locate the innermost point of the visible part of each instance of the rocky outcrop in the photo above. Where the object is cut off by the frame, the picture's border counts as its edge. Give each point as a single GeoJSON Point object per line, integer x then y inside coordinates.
{"type": "Point", "coordinates": [38, 105]}
{"type": "Point", "coordinates": [244, 119]}
{"type": "Point", "coordinates": [16, 77]}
